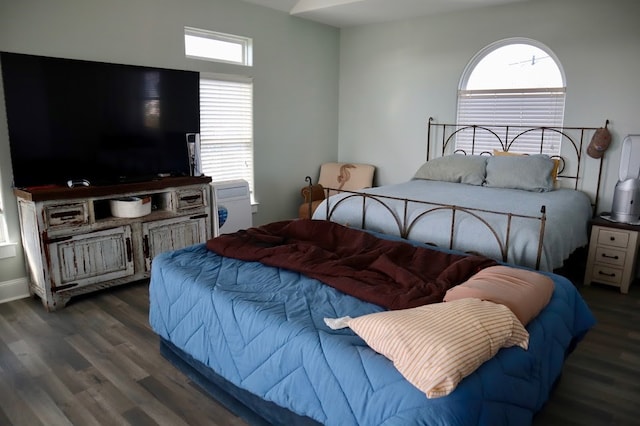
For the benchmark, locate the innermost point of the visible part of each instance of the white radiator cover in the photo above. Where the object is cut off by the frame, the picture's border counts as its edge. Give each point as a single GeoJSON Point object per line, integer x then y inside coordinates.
{"type": "Point", "coordinates": [231, 206]}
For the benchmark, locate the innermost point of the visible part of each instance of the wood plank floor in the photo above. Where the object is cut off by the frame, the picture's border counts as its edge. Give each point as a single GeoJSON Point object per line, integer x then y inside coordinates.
{"type": "Point", "coordinates": [97, 362]}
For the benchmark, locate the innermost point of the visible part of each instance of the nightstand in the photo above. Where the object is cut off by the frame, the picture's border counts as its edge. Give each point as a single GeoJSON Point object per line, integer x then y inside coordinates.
{"type": "Point", "coordinates": [613, 248]}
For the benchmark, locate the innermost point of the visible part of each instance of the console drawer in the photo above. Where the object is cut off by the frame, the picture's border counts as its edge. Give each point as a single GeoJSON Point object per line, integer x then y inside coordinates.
{"type": "Point", "coordinates": [190, 198]}
{"type": "Point", "coordinates": [62, 215]}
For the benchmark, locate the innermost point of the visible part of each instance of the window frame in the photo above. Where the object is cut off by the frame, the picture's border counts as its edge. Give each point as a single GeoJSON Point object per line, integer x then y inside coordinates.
{"type": "Point", "coordinates": [245, 43]}
{"type": "Point", "coordinates": [556, 99]}
{"type": "Point", "coordinates": [480, 55]}
{"type": "Point", "coordinates": [204, 139]}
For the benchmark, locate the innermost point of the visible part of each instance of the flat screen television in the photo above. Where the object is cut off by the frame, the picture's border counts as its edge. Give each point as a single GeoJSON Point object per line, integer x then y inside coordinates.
{"type": "Point", "coordinates": [107, 123]}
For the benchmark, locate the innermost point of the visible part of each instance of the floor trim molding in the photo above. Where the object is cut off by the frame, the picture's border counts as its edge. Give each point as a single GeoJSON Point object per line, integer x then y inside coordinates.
{"type": "Point", "coordinates": [14, 289]}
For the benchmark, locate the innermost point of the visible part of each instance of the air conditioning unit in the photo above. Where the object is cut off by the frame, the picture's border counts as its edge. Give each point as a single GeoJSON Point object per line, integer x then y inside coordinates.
{"type": "Point", "coordinates": [231, 206]}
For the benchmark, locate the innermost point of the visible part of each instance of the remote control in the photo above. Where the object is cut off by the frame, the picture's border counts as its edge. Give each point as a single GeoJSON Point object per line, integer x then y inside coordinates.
{"type": "Point", "coordinates": [72, 183]}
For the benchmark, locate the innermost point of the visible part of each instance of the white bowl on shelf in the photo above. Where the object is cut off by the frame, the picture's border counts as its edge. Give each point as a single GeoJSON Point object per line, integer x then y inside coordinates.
{"type": "Point", "coordinates": [130, 206]}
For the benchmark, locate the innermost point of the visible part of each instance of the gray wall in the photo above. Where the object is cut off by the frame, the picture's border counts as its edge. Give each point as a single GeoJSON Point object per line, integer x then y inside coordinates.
{"type": "Point", "coordinates": [390, 77]}
{"type": "Point", "coordinates": [295, 76]}
{"type": "Point", "coordinates": [394, 76]}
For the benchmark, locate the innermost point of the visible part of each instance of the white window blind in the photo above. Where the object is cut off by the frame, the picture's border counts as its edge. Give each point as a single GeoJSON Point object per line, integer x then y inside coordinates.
{"type": "Point", "coordinates": [520, 108]}
{"type": "Point", "coordinates": [226, 128]}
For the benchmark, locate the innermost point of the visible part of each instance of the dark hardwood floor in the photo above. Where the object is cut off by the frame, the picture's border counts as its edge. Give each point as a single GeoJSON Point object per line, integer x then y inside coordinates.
{"type": "Point", "coordinates": [97, 362]}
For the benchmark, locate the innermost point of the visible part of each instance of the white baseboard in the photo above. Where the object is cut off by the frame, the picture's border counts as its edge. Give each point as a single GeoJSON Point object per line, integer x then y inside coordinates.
{"type": "Point", "coordinates": [7, 250]}
{"type": "Point", "coordinates": [14, 289]}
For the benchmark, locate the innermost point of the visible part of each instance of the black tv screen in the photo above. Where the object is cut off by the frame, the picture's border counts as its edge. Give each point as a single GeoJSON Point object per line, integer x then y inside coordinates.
{"type": "Point", "coordinates": [107, 123]}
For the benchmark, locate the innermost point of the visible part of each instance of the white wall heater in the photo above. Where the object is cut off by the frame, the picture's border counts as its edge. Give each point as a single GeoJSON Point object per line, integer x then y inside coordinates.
{"type": "Point", "coordinates": [231, 206]}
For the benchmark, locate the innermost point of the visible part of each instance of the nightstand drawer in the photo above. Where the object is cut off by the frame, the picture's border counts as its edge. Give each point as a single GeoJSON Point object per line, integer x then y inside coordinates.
{"type": "Point", "coordinates": [610, 256]}
{"type": "Point", "coordinates": [613, 238]}
{"type": "Point", "coordinates": [607, 275]}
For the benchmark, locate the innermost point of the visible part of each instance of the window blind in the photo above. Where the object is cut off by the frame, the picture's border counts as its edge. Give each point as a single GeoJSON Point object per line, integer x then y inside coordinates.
{"type": "Point", "coordinates": [226, 128]}
{"type": "Point", "coordinates": [521, 108]}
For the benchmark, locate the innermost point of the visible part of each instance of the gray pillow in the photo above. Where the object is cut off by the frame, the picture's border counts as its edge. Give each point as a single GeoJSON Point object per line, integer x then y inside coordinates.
{"type": "Point", "coordinates": [458, 168]}
{"type": "Point", "coordinates": [528, 172]}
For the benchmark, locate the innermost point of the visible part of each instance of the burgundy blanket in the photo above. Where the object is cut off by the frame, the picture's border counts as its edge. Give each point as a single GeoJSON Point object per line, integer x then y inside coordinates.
{"type": "Point", "coordinates": [392, 274]}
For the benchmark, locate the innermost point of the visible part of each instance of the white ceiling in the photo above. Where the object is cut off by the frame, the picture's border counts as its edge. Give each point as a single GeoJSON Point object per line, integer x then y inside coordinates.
{"type": "Point", "coordinates": [347, 13]}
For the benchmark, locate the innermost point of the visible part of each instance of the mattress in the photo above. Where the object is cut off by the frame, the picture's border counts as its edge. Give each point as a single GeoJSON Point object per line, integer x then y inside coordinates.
{"type": "Point", "coordinates": [262, 329]}
{"type": "Point", "coordinates": [567, 215]}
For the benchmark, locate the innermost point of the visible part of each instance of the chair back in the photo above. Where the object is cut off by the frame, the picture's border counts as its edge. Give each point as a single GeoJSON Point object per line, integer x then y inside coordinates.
{"type": "Point", "coordinates": [347, 176]}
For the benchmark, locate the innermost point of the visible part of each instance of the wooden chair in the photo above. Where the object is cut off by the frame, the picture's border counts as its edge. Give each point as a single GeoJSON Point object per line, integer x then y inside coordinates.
{"type": "Point", "coordinates": [336, 176]}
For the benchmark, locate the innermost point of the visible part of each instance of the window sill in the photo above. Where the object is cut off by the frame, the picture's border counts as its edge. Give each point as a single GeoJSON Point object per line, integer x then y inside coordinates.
{"type": "Point", "coordinates": [7, 250]}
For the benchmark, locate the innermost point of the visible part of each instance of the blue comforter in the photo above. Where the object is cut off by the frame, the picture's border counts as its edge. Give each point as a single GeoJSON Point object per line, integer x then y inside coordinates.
{"type": "Point", "coordinates": [262, 329]}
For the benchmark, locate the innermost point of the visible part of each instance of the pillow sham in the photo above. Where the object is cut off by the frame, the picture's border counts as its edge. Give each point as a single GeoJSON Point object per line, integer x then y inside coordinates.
{"type": "Point", "coordinates": [458, 168]}
{"type": "Point", "coordinates": [525, 292]}
{"type": "Point", "coordinates": [528, 172]}
{"type": "Point", "coordinates": [435, 346]}
{"type": "Point", "coordinates": [554, 171]}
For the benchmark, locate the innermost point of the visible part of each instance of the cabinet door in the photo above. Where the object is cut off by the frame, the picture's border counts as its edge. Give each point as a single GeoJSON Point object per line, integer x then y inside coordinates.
{"type": "Point", "coordinates": [171, 234]}
{"type": "Point", "coordinates": [84, 259]}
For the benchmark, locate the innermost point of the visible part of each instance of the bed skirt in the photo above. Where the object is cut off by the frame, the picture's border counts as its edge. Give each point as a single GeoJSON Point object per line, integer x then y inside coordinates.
{"type": "Point", "coordinates": [251, 408]}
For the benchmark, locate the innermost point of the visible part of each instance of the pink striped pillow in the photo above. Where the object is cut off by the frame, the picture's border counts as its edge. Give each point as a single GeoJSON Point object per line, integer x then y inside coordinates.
{"type": "Point", "coordinates": [435, 346]}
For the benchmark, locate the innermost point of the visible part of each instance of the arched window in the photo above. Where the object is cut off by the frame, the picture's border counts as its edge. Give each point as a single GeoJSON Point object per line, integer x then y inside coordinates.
{"type": "Point", "coordinates": [517, 82]}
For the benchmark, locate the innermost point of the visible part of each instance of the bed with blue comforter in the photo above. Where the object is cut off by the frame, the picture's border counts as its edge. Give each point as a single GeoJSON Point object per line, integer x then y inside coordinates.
{"type": "Point", "coordinates": [260, 330]}
{"type": "Point", "coordinates": [482, 211]}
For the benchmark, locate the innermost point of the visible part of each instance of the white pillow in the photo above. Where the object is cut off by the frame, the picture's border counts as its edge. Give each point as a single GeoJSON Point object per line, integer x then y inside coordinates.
{"type": "Point", "coordinates": [435, 346]}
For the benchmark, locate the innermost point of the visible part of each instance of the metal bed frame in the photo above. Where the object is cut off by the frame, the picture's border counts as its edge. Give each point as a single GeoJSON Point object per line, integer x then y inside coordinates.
{"type": "Point", "coordinates": [571, 169]}
{"type": "Point", "coordinates": [506, 137]}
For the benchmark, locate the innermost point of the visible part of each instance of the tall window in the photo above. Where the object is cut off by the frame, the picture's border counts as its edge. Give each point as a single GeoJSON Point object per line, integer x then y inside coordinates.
{"type": "Point", "coordinates": [226, 106]}
{"type": "Point", "coordinates": [517, 82]}
{"type": "Point", "coordinates": [226, 128]}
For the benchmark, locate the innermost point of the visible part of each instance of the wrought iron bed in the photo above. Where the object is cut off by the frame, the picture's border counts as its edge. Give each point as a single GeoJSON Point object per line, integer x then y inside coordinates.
{"type": "Point", "coordinates": [480, 140]}
{"type": "Point", "coordinates": [573, 142]}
